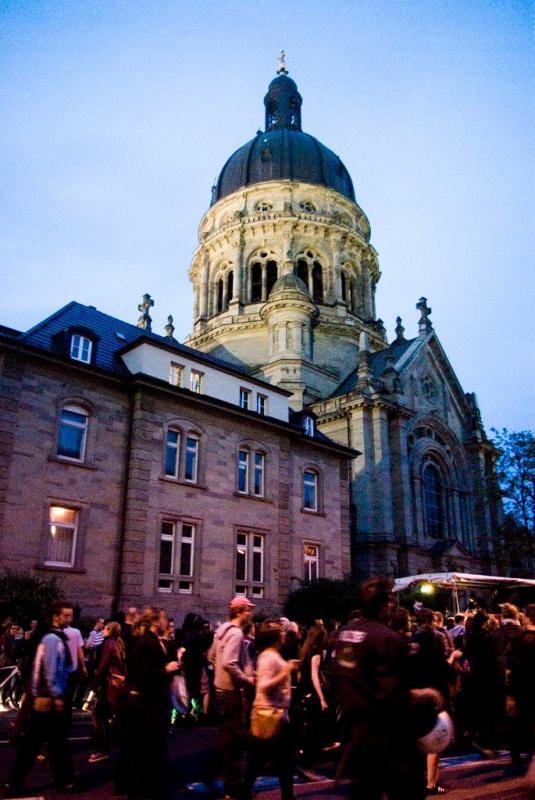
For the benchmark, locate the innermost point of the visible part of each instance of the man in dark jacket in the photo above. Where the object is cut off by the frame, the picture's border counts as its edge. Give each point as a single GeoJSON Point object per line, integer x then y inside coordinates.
{"type": "Point", "coordinates": [373, 688]}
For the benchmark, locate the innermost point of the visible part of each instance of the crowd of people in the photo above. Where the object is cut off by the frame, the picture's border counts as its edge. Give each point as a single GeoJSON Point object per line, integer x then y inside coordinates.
{"type": "Point", "coordinates": [365, 694]}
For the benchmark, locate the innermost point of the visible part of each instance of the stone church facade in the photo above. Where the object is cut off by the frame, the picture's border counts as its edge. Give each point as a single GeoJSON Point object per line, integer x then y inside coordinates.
{"type": "Point", "coordinates": [284, 282]}
{"type": "Point", "coordinates": [286, 440]}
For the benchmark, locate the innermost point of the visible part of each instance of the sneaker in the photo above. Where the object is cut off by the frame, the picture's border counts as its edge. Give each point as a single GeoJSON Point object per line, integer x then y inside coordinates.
{"type": "Point", "coordinates": [94, 757]}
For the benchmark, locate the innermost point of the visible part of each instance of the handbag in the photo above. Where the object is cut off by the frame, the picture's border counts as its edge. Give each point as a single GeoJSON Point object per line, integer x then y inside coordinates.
{"type": "Point", "coordinates": [266, 721]}
{"type": "Point", "coordinates": [116, 683]}
{"type": "Point", "coordinates": [42, 704]}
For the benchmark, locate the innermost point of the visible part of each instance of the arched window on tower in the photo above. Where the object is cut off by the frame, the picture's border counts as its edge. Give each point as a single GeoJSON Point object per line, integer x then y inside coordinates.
{"type": "Point", "coordinates": [263, 274]}
{"type": "Point", "coordinates": [434, 500]}
{"type": "Point", "coordinates": [256, 282]}
{"type": "Point", "coordinates": [310, 270]}
{"type": "Point", "coordinates": [220, 295]}
{"type": "Point", "coordinates": [271, 275]}
{"type": "Point", "coordinates": [317, 282]}
{"type": "Point", "coordinates": [343, 283]}
{"type": "Point", "coordinates": [230, 286]}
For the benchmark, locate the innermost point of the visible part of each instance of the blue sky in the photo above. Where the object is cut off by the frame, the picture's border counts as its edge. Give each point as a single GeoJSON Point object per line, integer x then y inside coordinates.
{"type": "Point", "coordinates": [116, 117]}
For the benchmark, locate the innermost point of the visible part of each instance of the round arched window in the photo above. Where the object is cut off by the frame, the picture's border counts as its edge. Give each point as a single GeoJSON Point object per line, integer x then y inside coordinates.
{"type": "Point", "coordinates": [433, 487]}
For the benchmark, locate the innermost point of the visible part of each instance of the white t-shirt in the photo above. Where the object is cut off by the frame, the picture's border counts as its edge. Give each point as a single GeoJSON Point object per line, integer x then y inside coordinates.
{"type": "Point", "coordinates": [75, 640]}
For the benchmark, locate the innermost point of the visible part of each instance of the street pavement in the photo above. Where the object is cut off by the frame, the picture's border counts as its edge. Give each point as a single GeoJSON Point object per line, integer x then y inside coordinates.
{"type": "Point", "coordinates": [193, 757]}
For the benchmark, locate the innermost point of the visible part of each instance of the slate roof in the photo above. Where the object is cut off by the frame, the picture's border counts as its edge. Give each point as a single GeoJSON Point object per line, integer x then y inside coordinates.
{"type": "Point", "coordinates": [113, 336]}
{"type": "Point", "coordinates": [377, 365]}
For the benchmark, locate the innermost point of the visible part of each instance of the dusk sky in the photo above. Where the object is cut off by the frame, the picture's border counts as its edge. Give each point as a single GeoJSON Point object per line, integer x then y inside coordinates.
{"type": "Point", "coordinates": [116, 118]}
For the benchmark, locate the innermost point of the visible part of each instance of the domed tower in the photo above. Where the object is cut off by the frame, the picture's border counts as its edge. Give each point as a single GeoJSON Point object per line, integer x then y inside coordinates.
{"type": "Point", "coordinates": [284, 275]}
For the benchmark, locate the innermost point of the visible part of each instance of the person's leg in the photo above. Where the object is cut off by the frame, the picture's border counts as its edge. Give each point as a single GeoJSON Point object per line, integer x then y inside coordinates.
{"type": "Point", "coordinates": [232, 739]}
{"type": "Point", "coordinates": [59, 750]}
{"type": "Point", "coordinates": [27, 750]}
{"type": "Point", "coordinates": [284, 759]}
{"type": "Point", "coordinates": [254, 762]}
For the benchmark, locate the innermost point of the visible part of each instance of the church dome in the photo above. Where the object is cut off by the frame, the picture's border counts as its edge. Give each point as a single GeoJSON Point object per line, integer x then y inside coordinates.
{"type": "Point", "coordinates": [283, 151]}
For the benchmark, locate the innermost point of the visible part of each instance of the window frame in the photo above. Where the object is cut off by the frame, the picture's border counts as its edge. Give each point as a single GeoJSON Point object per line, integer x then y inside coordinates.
{"type": "Point", "coordinates": [309, 561]}
{"type": "Point", "coordinates": [78, 346]}
{"type": "Point", "coordinates": [178, 582]}
{"type": "Point", "coordinates": [174, 447]}
{"type": "Point", "coordinates": [49, 562]}
{"type": "Point", "coordinates": [245, 398]}
{"type": "Point", "coordinates": [254, 544]}
{"type": "Point", "coordinates": [261, 404]}
{"type": "Point", "coordinates": [73, 408]}
{"type": "Point", "coordinates": [436, 526]}
{"type": "Point", "coordinates": [194, 375]}
{"type": "Point", "coordinates": [248, 468]}
{"type": "Point", "coordinates": [176, 373]}
{"type": "Point", "coordinates": [315, 473]}
{"type": "Point", "coordinates": [186, 453]}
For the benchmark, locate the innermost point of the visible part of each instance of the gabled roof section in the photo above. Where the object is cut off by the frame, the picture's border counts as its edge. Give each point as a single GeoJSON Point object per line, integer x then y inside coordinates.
{"type": "Point", "coordinates": [377, 364]}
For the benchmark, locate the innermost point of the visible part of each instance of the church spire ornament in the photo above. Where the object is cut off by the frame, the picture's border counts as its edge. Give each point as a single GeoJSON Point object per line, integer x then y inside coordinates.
{"type": "Point", "coordinates": [424, 323]}
{"type": "Point", "coordinates": [145, 320]}
{"type": "Point", "coordinates": [282, 64]}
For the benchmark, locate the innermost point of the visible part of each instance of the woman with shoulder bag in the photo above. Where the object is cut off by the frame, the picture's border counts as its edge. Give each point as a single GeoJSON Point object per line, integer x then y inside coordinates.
{"type": "Point", "coordinates": [270, 729]}
{"type": "Point", "coordinates": [107, 685]}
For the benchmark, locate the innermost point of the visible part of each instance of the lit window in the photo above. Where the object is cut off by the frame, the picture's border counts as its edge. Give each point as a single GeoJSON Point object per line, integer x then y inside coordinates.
{"type": "Point", "coordinates": [61, 540]}
{"type": "Point", "coordinates": [177, 543]}
{"type": "Point", "coordinates": [245, 396]}
{"type": "Point", "coordinates": [172, 453]}
{"type": "Point", "coordinates": [196, 381]}
{"type": "Point", "coordinates": [258, 478]}
{"type": "Point", "coordinates": [249, 571]}
{"type": "Point", "coordinates": [175, 374]}
{"type": "Point", "coordinates": [72, 433]}
{"type": "Point", "coordinates": [308, 424]}
{"type": "Point", "coordinates": [261, 404]}
{"type": "Point", "coordinates": [81, 348]}
{"type": "Point", "coordinates": [192, 450]}
{"type": "Point", "coordinates": [243, 471]}
{"type": "Point", "coordinates": [311, 554]}
{"type": "Point", "coordinates": [310, 491]}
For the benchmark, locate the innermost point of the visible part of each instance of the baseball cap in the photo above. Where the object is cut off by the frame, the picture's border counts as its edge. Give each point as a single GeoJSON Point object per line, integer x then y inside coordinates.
{"type": "Point", "coordinates": [240, 601]}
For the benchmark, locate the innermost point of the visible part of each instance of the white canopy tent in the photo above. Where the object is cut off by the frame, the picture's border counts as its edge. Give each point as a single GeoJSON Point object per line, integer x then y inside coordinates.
{"type": "Point", "coordinates": [460, 581]}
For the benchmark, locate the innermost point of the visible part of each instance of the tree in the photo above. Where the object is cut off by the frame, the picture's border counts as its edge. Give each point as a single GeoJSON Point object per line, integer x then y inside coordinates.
{"type": "Point", "coordinates": [514, 485]}
{"type": "Point", "coordinates": [322, 599]}
{"type": "Point", "coordinates": [24, 597]}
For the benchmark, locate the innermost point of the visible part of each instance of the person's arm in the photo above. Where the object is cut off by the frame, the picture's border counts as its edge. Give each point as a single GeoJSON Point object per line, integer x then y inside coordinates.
{"type": "Point", "coordinates": [315, 662]}
{"type": "Point", "coordinates": [231, 653]}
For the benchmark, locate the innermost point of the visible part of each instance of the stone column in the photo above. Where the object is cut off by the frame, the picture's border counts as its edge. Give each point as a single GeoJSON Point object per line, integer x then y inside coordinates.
{"type": "Point", "coordinates": [401, 481]}
{"type": "Point", "coordinates": [203, 310]}
{"type": "Point", "coordinates": [361, 488]}
{"type": "Point", "coordinates": [236, 286]}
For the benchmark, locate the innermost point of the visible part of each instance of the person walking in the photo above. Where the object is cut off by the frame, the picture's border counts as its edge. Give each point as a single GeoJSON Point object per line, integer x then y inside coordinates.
{"type": "Point", "coordinates": [273, 694]}
{"type": "Point", "coordinates": [48, 721]}
{"type": "Point", "coordinates": [233, 675]}
{"type": "Point", "coordinates": [144, 714]}
{"type": "Point", "coordinates": [371, 671]}
{"type": "Point", "coordinates": [108, 678]}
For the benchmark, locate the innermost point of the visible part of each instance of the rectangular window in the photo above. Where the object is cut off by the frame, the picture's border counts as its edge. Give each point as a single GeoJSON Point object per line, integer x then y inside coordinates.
{"type": "Point", "coordinates": [177, 543]}
{"type": "Point", "coordinates": [175, 374]}
{"type": "Point", "coordinates": [245, 396]}
{"type": "Point", "coordinates": [196, 381]}
{"type": "Point", "coordinates": [311, 562]}
{"type": "Point", "coordinates": [172, 453]}
{"type": "Point", "coordinates": [243, 471]}
{"type": "Point", "coordinates": [258, 487]}
{"type": "Point", "coordinates": [261, 404]}
{"type": "Point", "coordinates": [81, 348]}
{"type": "Point", "coordinates": [309, 426]}
{"type": "Point", "coordinates": [310, 491]}
{"type": "Point", "coordinates": [249, 564]}
{"type": "Point", "coordinates": [61, 540]}
{"type": "Point", "coordinates": [72, 433]}
{"type": "Point", "coordinates": [192, 451]}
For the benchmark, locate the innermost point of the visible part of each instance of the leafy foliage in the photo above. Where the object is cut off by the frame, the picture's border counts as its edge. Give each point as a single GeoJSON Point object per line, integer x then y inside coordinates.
{"type": "Point", "coordinates": [24, 597]}
{"type": "Point", "coordinates": [514, 540]}
{"type": "Point", "coordinates": [515, 473]}
{"type": "Point", "coordinates": [322, 599]}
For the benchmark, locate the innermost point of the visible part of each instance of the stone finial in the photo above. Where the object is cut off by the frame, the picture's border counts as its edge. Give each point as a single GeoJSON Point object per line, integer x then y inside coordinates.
{"type": "Point", "coordinates": [363, 371]}
{"type": "Point", "coordinates": [282, 64]}
{"type": "Point", "coordinates": [169, 328]}
{"type": "Point", "coordinates": [145, 320]}
{"type": "Point", "coordinates": [400, 330]}
{"type": "Point", "coordinates": [424, 323]}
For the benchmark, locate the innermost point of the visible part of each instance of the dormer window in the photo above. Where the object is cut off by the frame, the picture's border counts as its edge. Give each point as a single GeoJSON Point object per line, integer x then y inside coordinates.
{"type": "Point", "coordinates": [81, 348]}
{"type": "Point", "coordinates": [308, 425]}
